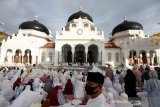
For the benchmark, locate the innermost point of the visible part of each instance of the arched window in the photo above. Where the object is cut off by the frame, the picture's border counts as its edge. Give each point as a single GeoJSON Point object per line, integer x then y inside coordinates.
{"type": "Point", "coordinates": [109, 57]}
{"type": "Point", "coordinates": [117, 57]}
{"type": "Point", "coordinates": [43, 57]}
{"type": "Point", "coordinates": [50, 56]}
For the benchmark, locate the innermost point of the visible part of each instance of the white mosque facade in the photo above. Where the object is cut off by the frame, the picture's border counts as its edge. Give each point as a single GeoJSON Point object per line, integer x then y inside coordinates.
{"type": "Point", "coordinates": [80, 41]}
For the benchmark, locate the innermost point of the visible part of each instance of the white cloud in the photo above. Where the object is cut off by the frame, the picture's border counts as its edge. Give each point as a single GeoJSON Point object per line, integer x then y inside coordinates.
{"type": "Point", "coordinates": [105, 13]}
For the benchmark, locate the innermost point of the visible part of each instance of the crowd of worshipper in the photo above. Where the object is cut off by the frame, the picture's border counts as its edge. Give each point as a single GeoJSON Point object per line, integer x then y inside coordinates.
{"type": "Point", "coordinates": [22, 87]}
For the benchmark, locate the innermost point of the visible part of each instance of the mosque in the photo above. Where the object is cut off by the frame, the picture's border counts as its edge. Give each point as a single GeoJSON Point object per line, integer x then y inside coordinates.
{"type": "Point", "coordinates": [80, 41]}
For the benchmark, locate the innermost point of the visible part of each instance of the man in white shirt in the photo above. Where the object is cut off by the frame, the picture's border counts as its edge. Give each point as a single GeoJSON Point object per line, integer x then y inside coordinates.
{"type": "Point", "coordinates": [93, 88]}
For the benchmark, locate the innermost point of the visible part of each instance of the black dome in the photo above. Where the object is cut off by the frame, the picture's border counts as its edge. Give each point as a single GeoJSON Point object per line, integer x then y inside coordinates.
{"type": "Point", "coordinates": [127, 25]}
{"type": "Point", "coordinates": [34, 25]}
{"type": "Point", "coordinates": [80, 14]}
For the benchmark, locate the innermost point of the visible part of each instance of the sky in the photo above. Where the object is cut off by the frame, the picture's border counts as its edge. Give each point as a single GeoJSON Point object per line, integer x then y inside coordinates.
{"type": "Point", "coordinates": [106, 14]}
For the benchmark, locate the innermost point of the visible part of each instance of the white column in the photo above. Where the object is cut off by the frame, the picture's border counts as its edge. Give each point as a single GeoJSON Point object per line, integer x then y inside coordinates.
{"type": "Point", "coordinates": [60, 57]}
{"type": "Point", "coordinates": [148, 60]}
{"type": "Point", "coordinates": [86, 51]}
{"type": "Point", "coordinates": [20, 54]}
{"type": "Point", "coordinates": [56, 57]}
{"type": "Point", "coordinates": [13, 54]}
{"type": "Point", "coordinates": [73, 50]}
{"type": "Point", "coordinates": [126, 58]}
{"type": "Point", "coordinates": [152, 58]}
{"type": "Point", "coordinates": [138, 56]}
{"type": "Point", "coordinates": [158, 56]}
{"type": "Point", "coordinates": [28, 57]}
{"type": "Point", "coordinates": [99, 56]}
{"type": "Point", "coordinates": [33, 58]}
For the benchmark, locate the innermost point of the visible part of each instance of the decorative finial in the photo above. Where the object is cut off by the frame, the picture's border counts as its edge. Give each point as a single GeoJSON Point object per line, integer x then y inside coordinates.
{"type": "Point", "coordinates": [36, 17]}
{"type": "Point", "coordinates": [125, 18]}
{"type": "Point", "coordinates": [80, 8]}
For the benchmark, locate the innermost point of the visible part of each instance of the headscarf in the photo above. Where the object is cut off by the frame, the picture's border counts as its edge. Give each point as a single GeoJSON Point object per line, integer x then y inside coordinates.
{"type": "Point", "coordinates": [153, 75]}
{"type": "Point", "coordinates": [16, 83]}
{"type": "Point", "coordinates": [25, 98]}
{"type": "Point", "coordinates": [36, 83]}
{"type": "Point", "coordinates": [107, 83]}
{"type": "Point", "coordinates": [114, 92]}
{"type": "Point", "coordinates": [68, 87]}
{"type": "Point", "coordinates": [110, 98]}
{"type": "Point", "coordinates": [123, 97]}
{"type": "Point", "coordinates": [117, 86]}
{"type": "Point", "coordinates": [4, 102]}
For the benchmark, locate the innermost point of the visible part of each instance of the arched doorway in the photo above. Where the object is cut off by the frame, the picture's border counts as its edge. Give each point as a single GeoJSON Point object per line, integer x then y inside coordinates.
{"type": "Point", "coordinates": [143, 56]}
{"type": "Point", "coordinates": [8, 56]}
{"type": "Point", "coordinates": [79, 54]}
{"type": "Point", "coordinates": [27, 58]}
{"type": "Point", "coordinates": [92, 56]}
{"type": "Point", "coordinates": [18, 56]}
{"type": "Point", "coordinates": [66, 53]}
{"type": "Point", "coordinates": [133, 58]}
{"type": "Point", "coordinates": [153, 57]}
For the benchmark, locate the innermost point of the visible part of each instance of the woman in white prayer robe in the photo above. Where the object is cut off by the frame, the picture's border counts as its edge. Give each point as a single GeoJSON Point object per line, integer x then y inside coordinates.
{"type": "Point", "coordinates": [79, 87]}
{"type": "Point", "coordinates": [42, 92]}
{"type": "Point", "coordinates": [152, 87]}
{"type": "Point", "coordinates": [61, 98]}
{"type": "Point", "coordinates": [37, 101]}
{"type": "Point", "coordinates": [107, 83]}
{"type": "Point", "coordinates": [123, 101]}
{"type": "Point", "coordinates": [117, 86]}
{"type": "Point", "coordinates": [36, 83]}
{"type": "Point", "coordinates": [114, 92]}
{"type": "Point", "coordinates": [143, 96]}
{"type": "Point", "coordinates": [25, 99]}
{"type": "Point", "coordinates": [16, 76]}
{"type": "Point", "coordinates": [6, 88]}
{"type": "Point", "coordinates": [3, 101]}
{"type": "Point", "coordinates": [110, 100]}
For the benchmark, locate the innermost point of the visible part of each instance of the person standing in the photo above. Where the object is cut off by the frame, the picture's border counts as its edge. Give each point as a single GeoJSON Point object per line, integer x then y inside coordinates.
{"type": "Point", "coordinates": [93, 89]}
{"type": "Point", "coordinates": [152, 87]}
{"type": "Point", "coordinates": [109, 72]}
{"type": "Point", "coordinates": [130, 84]}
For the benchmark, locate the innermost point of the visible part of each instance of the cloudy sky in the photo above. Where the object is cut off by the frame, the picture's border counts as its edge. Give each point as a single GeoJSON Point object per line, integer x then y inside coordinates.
{"type": "Point", "coordinates": [54, 14]}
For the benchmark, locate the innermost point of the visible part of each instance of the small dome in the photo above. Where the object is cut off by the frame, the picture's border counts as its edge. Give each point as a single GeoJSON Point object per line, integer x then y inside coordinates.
{"type": "Point", "coordinates": [34, 25]}
{"type": "Point", "coordinates": [127, 25]}
{"type": "Point", "coordinates": [80, 14]}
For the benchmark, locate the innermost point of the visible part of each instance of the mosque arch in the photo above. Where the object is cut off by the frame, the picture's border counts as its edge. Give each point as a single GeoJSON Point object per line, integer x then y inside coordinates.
{"type": "Point", "coordinates": [66, 53]}
{"type": "Point", "coordinates": [92, 56]}
{"type": "Point", "coordinates": [18, 56]}
{"type": "Point", "coordinates": [143, 56]}
{"type": "Point", "coordinates": [79, 54]}
{"type": "Point", "coordinates": [8, 56]}
{"type": "Point", "coordinates": [27, 58]}
{"type": "Point", "coordinates": [153, 57]}
{"type": "Point", "coordinates": [133, 57]}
